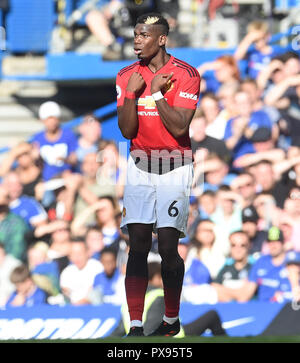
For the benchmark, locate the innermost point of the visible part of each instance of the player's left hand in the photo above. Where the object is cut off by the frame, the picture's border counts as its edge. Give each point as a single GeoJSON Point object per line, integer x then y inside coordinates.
{"type": "Point", "coordinates": [160, 81]}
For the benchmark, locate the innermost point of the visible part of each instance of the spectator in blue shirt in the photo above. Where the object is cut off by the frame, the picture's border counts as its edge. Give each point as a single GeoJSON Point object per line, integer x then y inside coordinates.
{"type": "Point", "coordinates": [27, 293]}
{"type": "Point", "coordinates": [108, 285]}
{"type": "Point", "coordinates": [56, 145]}
{"type": "Point", "coordinates": [255, 49]}
{"type": "Point", "coordinates": [29, 209]}
{"type": "Point", "coordinates": [196, 287]}
{"type": "Point", "coordinates": [268, 276]}
{"type": "Point", "coordinates": [42, 268]}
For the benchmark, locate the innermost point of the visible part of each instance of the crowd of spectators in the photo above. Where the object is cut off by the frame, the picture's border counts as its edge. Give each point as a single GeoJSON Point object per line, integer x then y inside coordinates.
{"type": "Point", "coordinates": [61, 195]}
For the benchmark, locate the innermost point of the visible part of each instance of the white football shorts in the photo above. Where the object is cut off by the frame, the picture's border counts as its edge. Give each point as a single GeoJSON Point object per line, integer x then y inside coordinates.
{"type": "Point", "coordinates": [159, 199]}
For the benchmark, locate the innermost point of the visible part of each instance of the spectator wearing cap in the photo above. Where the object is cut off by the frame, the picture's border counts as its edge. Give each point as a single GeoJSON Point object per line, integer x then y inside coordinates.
{"type": "Point", "coordinates": [236, 269]}
{"type": "Point", "coordinates": [268, 276]}
{"type": "Point", "coordinates": [250, 219]}
{"type": "Point", "coordinates": [292, 262]}
{"type": "Point", "coordinates": [56, 145]}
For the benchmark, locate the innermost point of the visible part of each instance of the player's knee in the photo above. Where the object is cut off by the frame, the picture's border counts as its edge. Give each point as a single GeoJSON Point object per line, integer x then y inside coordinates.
{"type": "Point", "coordinates": [139, 248]}
{"type": "Point", "coordinates": [168, 253]}
{"type": "Point", "coordinates": [140, 245]}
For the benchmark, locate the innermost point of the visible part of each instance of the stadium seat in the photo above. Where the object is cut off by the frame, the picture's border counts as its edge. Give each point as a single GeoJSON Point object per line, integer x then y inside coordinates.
{"type": "Point", "coordinates": [29, 24]}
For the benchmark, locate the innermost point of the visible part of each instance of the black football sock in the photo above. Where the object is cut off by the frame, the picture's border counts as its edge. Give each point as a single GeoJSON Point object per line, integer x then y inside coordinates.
{"type": "Point", "coordinates": [172, 281]}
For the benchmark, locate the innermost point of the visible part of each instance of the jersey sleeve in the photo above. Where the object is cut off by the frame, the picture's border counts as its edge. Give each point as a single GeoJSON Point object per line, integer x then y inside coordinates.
{"type": "Point", "coordinates": [187, 94]}
{"type": "Point", "coordinates": [120, 89]}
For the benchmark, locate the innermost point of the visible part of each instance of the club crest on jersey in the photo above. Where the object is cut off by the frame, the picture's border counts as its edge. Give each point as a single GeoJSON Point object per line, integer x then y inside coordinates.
{"type": "Point", "coordinates": [118, 90]}
{"type": "Point", "coordinates": [169, 86]}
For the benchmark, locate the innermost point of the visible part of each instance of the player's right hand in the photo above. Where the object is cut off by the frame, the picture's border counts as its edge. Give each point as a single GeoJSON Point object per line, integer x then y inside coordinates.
{"type": "Point", "coordinates": [136, 82]}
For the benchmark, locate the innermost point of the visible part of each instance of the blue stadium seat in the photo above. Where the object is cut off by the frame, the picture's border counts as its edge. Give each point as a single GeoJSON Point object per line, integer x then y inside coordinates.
{"type": "Point", "coordinates": [29, 24]}
{"type": "Point", "coordinates": [79, 3]}
{"type": "Point", "coordinates": [285, 5]}
{"type": "Point", "coordinates": [70, 7]}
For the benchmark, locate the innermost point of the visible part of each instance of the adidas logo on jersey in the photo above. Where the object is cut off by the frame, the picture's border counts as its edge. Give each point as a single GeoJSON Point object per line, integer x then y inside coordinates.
{"type": "Point", "coordinates": [188, 95]}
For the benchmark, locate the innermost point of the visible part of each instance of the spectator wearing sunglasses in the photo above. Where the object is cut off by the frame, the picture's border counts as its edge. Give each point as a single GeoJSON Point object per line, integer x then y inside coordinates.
{"type": "Point", "coordinates": [268, 278]}
{"type": "Point", "coordinates": [236, 268]}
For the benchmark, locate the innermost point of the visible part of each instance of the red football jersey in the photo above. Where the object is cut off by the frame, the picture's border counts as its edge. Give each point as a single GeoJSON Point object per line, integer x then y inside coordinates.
{"type": "Point", "coordinates": [182, 91]}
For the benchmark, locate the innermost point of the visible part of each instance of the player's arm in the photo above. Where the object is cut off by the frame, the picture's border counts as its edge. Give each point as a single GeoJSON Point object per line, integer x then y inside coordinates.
{"type": "Point", "coordinates": [175, 119]}
{"type": "Point", "coordinates": [127, 112]}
